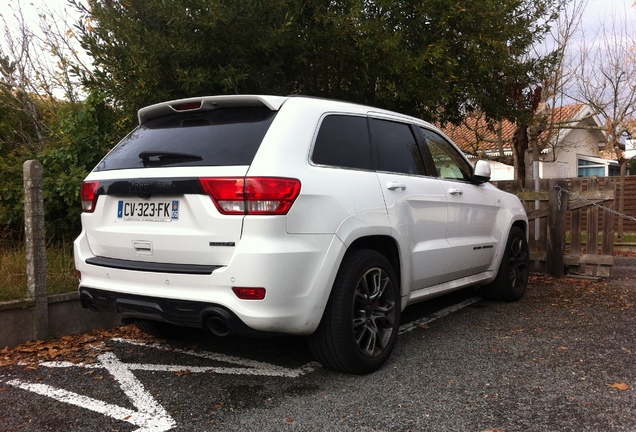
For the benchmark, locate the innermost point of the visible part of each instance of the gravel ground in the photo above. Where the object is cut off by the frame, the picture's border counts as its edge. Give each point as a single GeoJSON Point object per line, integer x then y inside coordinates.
{"type": "Point", "coordinates": [561, 359]}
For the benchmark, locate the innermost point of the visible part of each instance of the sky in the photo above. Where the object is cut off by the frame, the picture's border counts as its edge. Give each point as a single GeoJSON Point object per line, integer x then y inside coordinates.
{"type": "Point", "coordinates": [596, 11]}
{"type": "Point", "coordinates": [602, 11]}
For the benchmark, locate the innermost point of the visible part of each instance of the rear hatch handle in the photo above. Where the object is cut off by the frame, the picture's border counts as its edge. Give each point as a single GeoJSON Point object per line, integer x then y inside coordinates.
{"type": "Point", "coordinates": [142, 247]}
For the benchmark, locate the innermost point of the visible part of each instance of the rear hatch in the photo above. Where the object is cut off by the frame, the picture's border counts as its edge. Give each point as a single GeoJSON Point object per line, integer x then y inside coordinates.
{"type": "Point", "coordinates": [171, 191]}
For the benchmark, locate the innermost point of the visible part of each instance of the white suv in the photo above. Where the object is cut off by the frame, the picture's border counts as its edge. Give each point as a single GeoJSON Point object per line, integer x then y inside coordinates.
{"type": "Point", "coordinates": [291, 215]}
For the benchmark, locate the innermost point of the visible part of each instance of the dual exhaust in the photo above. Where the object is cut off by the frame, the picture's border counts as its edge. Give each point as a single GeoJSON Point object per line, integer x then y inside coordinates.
{"type": "Point", "coordinates": [220, 322]}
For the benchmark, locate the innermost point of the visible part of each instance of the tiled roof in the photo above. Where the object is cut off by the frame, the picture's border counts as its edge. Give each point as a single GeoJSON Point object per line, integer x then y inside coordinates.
{"type": "Point", "coordinates": [476, 135]}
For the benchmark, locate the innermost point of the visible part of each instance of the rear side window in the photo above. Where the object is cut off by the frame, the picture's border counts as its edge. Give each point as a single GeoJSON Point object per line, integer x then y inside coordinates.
{"type": "Point", "coordinates": [221, 137]}
{"type": "Point", "coordinates": [398, 151]}
{"type": "Point", "coordinates": [343, 141]}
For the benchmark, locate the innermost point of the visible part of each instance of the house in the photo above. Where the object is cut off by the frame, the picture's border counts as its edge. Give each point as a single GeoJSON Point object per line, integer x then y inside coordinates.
{"type": "Point", "coordinates": [572, 147]}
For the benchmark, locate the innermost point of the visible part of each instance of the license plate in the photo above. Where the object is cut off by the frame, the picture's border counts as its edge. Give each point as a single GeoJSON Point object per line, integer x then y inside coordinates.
{"type": "Point", "coordinates": [151, 211]}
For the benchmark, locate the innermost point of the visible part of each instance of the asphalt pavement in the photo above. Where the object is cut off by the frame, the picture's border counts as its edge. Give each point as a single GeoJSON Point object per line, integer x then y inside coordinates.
{"type": "Point", "coordinates": [561, 359]}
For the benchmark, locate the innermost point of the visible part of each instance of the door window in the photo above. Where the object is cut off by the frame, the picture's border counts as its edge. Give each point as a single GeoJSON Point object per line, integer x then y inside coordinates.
{"type": "Point", "coordinates": [449, 163]}
{"type": "Point", "coordinates": [398, 151]}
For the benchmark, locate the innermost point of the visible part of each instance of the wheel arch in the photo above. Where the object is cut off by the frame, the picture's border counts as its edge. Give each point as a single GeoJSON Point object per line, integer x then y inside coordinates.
{"type": "Point", "coordinates": [383, 244]}
{"type": "Point", "coordinates": [521, 224]}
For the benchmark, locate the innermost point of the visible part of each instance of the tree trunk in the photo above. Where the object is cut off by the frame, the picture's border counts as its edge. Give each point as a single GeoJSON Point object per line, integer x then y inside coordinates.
{"type": "Point", "coordinates": [520, 143]}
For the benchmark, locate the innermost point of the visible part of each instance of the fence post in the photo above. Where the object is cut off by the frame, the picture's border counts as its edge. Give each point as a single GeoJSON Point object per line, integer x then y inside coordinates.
{"type": "Point", "coordinates": [557, 209]}
{"type": "Point", "coordinates": [35, 244]}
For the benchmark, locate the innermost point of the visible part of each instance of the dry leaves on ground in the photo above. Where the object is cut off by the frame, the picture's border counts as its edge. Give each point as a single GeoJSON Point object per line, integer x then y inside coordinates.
{"type": "Point", "coordinates": [81, 347]}
{"type": "Point", "coordinates": [619, 386]}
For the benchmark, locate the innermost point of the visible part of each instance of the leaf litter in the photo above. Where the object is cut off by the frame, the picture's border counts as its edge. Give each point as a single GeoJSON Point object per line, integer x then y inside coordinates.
{"type": "Point", "coordinates": [76, 348]}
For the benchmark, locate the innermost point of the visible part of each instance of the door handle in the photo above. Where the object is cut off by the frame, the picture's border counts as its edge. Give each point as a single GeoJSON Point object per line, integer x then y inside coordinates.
{"type": "Point", "coordinates": [454, 191]}
{"type": "Point", "coordinates": [394, 186]}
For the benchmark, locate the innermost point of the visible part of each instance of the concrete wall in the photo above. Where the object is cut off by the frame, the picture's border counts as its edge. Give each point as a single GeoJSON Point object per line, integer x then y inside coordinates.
{"type": "Point", "coordinates": [65, 316]}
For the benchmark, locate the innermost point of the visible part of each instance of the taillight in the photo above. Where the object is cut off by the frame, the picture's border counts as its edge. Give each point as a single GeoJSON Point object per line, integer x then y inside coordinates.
{"type": "Point", "coordinates": [252, 195]}
{"type": "Point", "coordinates": [89, 195]}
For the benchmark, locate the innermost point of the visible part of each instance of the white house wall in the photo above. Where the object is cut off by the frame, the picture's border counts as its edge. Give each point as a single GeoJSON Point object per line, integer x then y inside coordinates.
{"type": "Point", "coordinates": [578, 142]}
{"type": "Point", "coordinates": [499, 171]}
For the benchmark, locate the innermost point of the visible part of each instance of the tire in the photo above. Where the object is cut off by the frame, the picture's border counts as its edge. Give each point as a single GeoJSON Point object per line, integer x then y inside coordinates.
{"type": "Point", "coordinates": [512, 278]}
{"type": "Point", "coordinates": [360, 324]}
{"type": "Point", "coordinates": [162, 330]}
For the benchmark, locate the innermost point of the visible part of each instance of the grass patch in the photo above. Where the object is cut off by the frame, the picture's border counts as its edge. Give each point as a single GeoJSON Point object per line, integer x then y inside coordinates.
{"type": "Point", "coordinates": [60, 271]}
{"type": "Point", "coordinates": [627, 237]}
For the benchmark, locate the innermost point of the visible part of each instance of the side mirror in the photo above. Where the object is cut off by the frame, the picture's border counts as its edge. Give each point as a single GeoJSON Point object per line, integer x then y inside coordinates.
{"type": "Point", "coordinates": [482, 172]}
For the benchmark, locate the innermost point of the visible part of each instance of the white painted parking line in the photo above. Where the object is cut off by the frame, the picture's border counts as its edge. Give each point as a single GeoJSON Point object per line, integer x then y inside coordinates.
{"type": "Point", "coordinates": [245, 366]}
{"type": "Point", "coordinates": [150, 416]}
{"type": "Point", "coordinates": [136, 418]}
{"type": "Point", "coordinates": [437, 315]}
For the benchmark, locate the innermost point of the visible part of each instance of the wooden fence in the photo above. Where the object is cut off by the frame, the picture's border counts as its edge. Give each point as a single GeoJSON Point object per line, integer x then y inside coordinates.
{"type": "Point", "coordinates": [571, 224]}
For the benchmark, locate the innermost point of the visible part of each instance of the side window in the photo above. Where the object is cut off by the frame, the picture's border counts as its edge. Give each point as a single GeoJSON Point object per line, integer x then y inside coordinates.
{"type": "Point", "coordinates": [448, 162]}
{"type": "Point", "coordinates": [343, 141]}
{"type": "Point", "coordinates": [397, 148]}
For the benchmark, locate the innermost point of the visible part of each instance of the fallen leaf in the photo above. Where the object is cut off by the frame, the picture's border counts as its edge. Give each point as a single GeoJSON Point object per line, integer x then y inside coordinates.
{"type": "Point", "coordinates": [289, 420]}
{"type": "Point", "coordinates": [564, 348]}
{"type": "Point", "coordinates": [77, 348]}
{"type": "Point", "coordinates": [619, 386]}
{"type": "Point", "coordinates": [184, 372]}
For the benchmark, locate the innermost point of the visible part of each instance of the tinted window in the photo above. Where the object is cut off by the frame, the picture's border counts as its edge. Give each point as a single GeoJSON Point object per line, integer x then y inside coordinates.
{"type": "Point", "coordinates": [397, 149]}
{"type": "Point", "coordinates": [226, 136]}
{"type": "Point", "coordinates": [449, 163]}
{"type": "Point", "coordinates": [343, 141]}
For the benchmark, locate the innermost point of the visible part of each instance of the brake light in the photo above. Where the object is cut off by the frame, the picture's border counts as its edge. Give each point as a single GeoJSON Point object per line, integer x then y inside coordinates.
{"type": "Point", "coordinates": [188, 106]}
{"type": "Point", "coordinates": [89, 195]}
{"type": "Point", "coordinates": [252, 195]}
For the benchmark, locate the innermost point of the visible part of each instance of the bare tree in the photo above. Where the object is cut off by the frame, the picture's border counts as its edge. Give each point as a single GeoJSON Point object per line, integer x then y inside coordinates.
{"type": "Point", "coordinates": [606, 80]}
{"type": "Point", "coordinates": [538, 129]}
{"type": "Point", "coordinates": [36, 59]}
{"type": "Point", "coordinates": [541, 130]}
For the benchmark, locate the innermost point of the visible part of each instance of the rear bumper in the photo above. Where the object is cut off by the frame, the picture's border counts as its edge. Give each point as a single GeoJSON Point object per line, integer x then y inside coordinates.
{"type": "Point", "coordinates": [297, 272]}
{"type": "Point", "coordinates": [178, 312]}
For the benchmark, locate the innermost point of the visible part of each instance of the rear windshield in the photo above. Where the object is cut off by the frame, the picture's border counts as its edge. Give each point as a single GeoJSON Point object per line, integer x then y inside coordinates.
{"type": "Point", "coordinates": [222, 137]}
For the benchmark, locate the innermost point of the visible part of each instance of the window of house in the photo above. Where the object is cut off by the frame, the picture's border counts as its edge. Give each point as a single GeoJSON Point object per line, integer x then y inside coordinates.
{"type": "Point", "coordinates": [591, 167]}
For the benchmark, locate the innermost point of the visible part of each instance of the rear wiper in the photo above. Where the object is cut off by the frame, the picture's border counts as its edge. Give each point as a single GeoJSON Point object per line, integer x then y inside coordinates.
{"type": "Point", "coordinates": [166, 158]}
